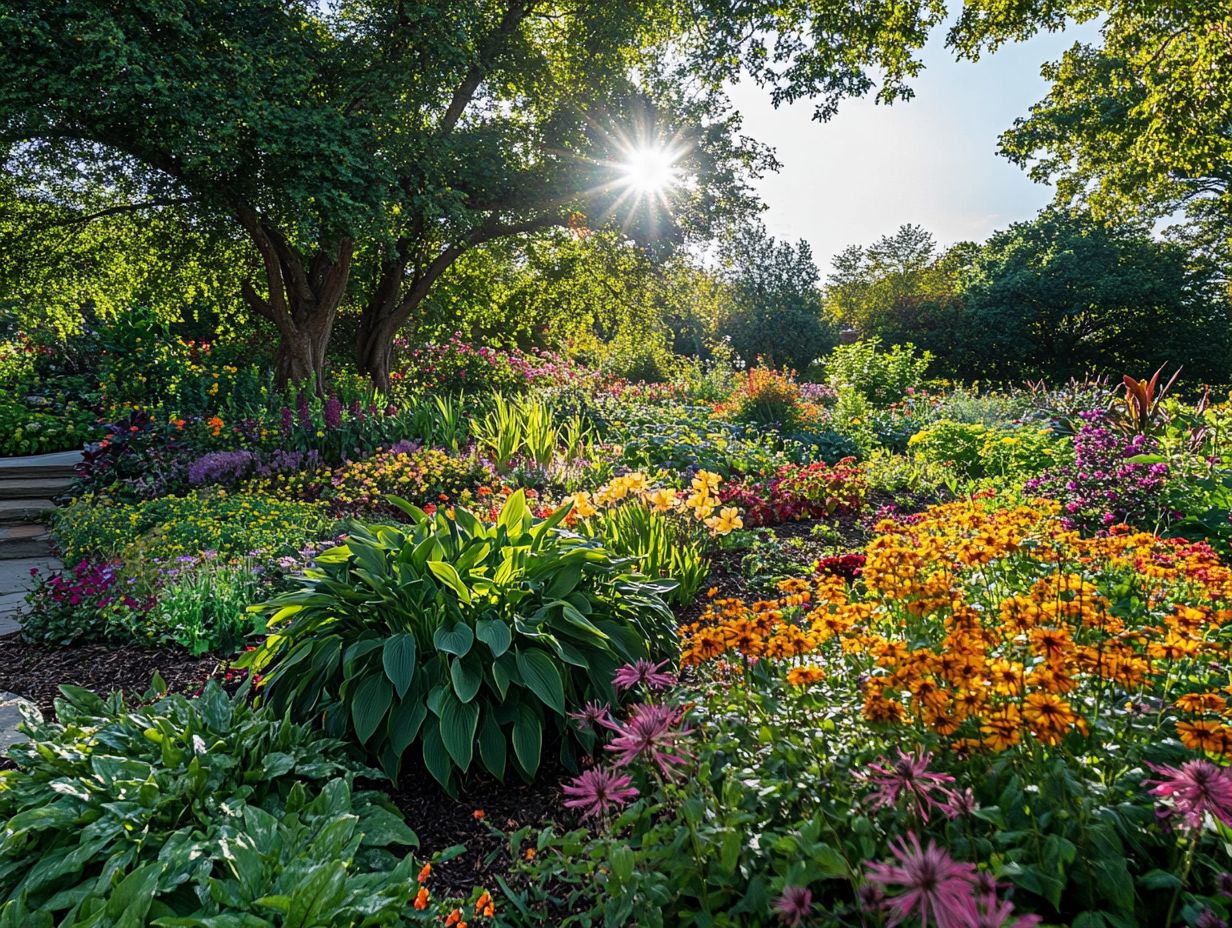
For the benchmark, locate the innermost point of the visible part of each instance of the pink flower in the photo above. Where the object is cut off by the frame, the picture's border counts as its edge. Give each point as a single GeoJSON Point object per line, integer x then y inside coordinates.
{"type": "Point", "coordinates": [1195, 789]}
{"type": "Point", "coordinates": [642, 672]}
{"type": "Point", "coordinates": [909, 777]}
{"type": "Point", "coordinates": [591, 715]}
{"type": "Point", "coordinates": [999, 913]}
{"type": "Point", "coordinates": [795, 905]}
{"type": "Point", "coordinates": [599, 791]}
{"type": "Point", "coordinates": [651, 733]}
{"type": "Point", "coordinates": [927, 883]}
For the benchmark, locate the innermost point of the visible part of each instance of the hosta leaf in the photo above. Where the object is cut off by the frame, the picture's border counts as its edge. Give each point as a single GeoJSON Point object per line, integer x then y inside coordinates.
{"type": "Point", "coordinates": [495, 634]}
{"type": "Point", "coordinates": [459, 721]}
{"type": "Point", "coordinates": [541, 676]}
{"type": "Point", "coordinates": [369, 703]}
{"type": "Point", "coordinates": [436, 759]}
{"type": "Point", "coordinates": [448, 575]}
{"type": "Point", "coordinates": [455, 639]}
{"type": "Point", "coordinates": [405, 721]}
{"type": "Point", "coordinates": [398, 658]}
{"type": "Point", "coordinates": [492, 746]}
{"type": "Point", "coordinates": [527, 739]}
{"type": "Point", "coordinates": [467, 676]}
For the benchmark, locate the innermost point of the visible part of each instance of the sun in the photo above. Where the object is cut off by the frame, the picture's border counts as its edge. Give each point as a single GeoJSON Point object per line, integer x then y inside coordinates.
{"type": "Point", "coordinates": [650, 170]}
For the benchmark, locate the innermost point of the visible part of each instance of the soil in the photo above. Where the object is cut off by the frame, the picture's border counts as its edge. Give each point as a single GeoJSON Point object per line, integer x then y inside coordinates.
{"type": "Point", "coordinates": [36, 671]}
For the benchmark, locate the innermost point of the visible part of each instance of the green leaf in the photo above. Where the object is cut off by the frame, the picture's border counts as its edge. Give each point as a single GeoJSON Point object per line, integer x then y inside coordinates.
{"type": "Point", "coordinates": [541, 676]}
{"type": "Point", "coordinates": [369, 703]}
{"type": "Point", "coordinates": [398, 657]}
{"type": "Point", "coordinates": [456, 639]}
{"type": "Point", "coordinates": [527, 739]}
{"type": "Point", "coordinates": [459, 721]}
{"type": "Point", "coordinates": [467, 676]}
{"type": "Point", "coordinates": [492, 746]}
{"type": "Point", "coordinates": [446, 573]}
{"type": "Point", "coordinates": [495, 634]}
{"type": "Point", "coordinates": [405, 721]}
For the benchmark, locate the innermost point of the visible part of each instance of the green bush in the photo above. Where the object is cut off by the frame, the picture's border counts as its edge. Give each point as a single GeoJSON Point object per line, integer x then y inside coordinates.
{"type": "Point", "coordinates": [27, 427]}
{"type": "Point", "coordinates": [1022, 452]}
{"type": "Point", "coordinates": [232, 525]}
{"type": "Point", "coordinates": [451, 634]}
{"type": "Point", "coordinates": [882, 376]}
{"type": "Point", "coordinates": [192, 812]}
{"type": "Point", "coordinates": [959, 444]}
{"type": "Point", "coordinates": [663, 548]}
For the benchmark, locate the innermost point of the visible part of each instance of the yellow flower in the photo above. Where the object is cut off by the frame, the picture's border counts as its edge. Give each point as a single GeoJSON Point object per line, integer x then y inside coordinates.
{"type": "Point", "coordinates": [727, 520]}
{"type": "Point", "coordinates": [805, 676]}
{"type": "Point", "coordinates": [661, 500]}
{"type": "Point", "coordinates": [582, 506]}
{"type": "Point", "coordinates": [706, 482]}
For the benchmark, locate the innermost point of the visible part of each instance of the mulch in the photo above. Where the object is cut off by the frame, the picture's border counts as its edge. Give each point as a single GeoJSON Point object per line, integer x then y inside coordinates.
{"type": "Point", "coordinates": [36, 671]}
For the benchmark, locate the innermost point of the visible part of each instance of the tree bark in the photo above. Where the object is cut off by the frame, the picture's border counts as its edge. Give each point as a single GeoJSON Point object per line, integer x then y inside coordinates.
{"type": "Point", "coordinates": [302, 300]}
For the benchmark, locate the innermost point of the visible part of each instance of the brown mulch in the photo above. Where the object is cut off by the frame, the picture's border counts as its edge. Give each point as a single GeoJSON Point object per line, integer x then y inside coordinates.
{"type": "Point", "coordinates": [36, 671]}
{"type": "Point", "coordinates": [442, 821]}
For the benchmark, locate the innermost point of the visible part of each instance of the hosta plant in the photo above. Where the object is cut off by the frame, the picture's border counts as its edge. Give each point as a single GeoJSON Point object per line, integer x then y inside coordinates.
{"type": "Point", "coordinates": [459, 638]}
{"type": "Point", "coordinates": [197, 811]}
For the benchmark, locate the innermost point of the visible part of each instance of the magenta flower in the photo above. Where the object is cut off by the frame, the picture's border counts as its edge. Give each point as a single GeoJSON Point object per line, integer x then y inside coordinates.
{"type": "Point", "coordinates": [909, 778]}
{"type": "Point", "coordinates": [927, 883]}
{"type": "Point", "coordinates": [651, 733]}
{"type": "Point", "coordinates": [590, 716]}
{"type": "Point", "coordinates": [1195, 789]}
{"type": "Point", "coordinates": [642, 673]}
{"type": "Point", "coordinates": [795, 905]}
{"type": "Point", "coordinates": [999, 913]}
{"type": "Point", "coordinates": [599, 791]}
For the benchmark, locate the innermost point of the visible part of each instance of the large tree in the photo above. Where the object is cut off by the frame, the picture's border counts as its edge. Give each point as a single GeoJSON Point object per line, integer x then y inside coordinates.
{"type": "Point", "coordinates": [392, 137]}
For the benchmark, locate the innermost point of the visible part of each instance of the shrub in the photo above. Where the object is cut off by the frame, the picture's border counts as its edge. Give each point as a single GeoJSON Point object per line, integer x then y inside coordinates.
{"type": "Point", "coordinates": [1022, 452]}
{"type": "Point", "coordinates": [451, 635]}
{"type": "Point", "coordinates": [764, 396]}
{"type": "Point", "coordinates": [958, 444]}
{"type": "Point", "coordinates": [231, 525]}
{"type": "Point", "coordinates": [199, 809]}
{"type": "Point", "coordinates": [882, 376]}
{"type": "Point", "coordinates": [811, 491]}
{"type": "Point", "coordinates": [75, 604]}
{"type": "Point", "coordinates": [37, 425]}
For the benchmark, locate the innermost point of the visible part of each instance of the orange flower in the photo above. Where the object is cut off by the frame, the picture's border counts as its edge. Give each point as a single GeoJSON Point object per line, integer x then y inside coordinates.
{"type": "Point", "coordinates": [425, 873]}
{"type": "Point", "coordinates": [453, 917]}
{"type": "Point", "coordinates": [477, 815]}
{"type": "Point", "coordinates": [530, 853]}
{"type": "Point", "coordinates": [421, 899]}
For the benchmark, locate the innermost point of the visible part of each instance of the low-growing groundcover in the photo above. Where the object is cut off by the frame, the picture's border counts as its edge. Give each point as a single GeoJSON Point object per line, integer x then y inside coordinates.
{"type": "Point", "coordinates": [198, 812]}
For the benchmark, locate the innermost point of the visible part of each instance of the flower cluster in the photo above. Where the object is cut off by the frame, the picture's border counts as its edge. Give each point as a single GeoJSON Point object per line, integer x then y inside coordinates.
{"type": "Point", "coordinates": [796, 492]}
{"type": "Point", "coordinates": [420, 475]}
{"type": "Point", "coordinates": [701, 502]}
{"type": "Point", "coordinates": [989, 625]}
{"type": "Point", "coordinates": [1103, 487]}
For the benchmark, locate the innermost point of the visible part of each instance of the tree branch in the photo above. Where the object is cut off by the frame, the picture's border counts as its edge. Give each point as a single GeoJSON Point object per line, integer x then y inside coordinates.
{"type": "Point", "coordinates": [514, 14]}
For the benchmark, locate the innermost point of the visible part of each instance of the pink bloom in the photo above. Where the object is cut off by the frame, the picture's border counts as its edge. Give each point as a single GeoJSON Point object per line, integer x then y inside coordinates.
{"type": "Point", "coordinates": [999, 913]}
{"type": "Point", "coordinates": [599, 791]}
{"type": "Point", "coordinates": [642, 673]}
{"type": "Point", "coordinates": [795, 905]}
{"type": "Point", "coordinates": [651, 733]}
{"type": "Point", "coordinates": [909, 777]}
{"type": "Point", "coordinates": [927, 883]}
{"type": "Point", "coordinates": [591, 715]}
{"type": "Point", "coordinates": [1197, 788]}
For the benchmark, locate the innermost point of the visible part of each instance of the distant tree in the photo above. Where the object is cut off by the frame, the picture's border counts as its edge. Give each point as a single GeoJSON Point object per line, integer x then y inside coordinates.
{"type": "Point", "coordinates": [396, 137]}
{"type": "Point", "coordinates": [1065, 295]}
{"type": "Point", "coordinates": [774, 305]}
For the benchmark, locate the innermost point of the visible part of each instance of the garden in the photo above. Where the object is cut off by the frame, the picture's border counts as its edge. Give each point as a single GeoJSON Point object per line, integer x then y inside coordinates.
{"type": "Point", "coordinates": [431, 495]}
{"type": "Point", "coordinates": [538, 645]}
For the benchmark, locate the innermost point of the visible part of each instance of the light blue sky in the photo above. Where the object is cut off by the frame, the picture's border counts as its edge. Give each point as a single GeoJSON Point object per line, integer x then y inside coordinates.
{"type": "Point", "coordinates": [932, 160]}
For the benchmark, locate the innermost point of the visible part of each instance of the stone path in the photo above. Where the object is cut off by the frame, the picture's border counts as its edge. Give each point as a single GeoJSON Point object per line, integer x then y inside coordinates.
{"type": "Point", "coordinates": [28, 486]}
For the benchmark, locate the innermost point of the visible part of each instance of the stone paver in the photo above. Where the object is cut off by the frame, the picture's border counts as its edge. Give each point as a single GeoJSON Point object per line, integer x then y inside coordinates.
{"type": "Point", "coordinates": [15, 573]}
{"type": "Point", "coordinates": [10, 718]}
{"type": "Point", "coordinates": [57, 460]}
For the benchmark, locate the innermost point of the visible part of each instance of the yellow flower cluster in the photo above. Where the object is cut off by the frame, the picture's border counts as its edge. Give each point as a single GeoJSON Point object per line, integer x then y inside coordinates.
{"type": "Point", "coordinates": [699, 502]}
{"type": "Point", "coordinates": [985, 623]}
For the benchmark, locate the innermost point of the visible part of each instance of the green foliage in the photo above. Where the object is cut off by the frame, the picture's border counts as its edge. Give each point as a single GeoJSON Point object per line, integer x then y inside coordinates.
{"type": "Point", "coordinates": [453, 635]}
{"type": "Point", "coordinates": [663, 548]}
{"type": "Point", "coordinates": [881, 376]}
{"type": "Point", "coordinates": [526, 427]}
{"type": "Point", "coordinates": [773, 308]}
{"type": "Point", "coordinates": [199, 809]}
{"type": "Point", "coordinates": [37, 424]}
{"type": "Point", "coordinates": [231, 525]}
{"type": "Point", "coordinates": [975, 450]}
{"type": "Point", "coordinates": [1064, 295]}
{"type": "Point", "coordinates": [958, 444]}
{"type": "Point", "coordinates": [421, 475]}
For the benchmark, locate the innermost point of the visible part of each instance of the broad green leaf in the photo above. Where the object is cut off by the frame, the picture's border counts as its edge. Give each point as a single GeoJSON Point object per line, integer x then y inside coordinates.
{"type": "Point", "coordinates": [495, 634]}
{"type": "Point", "coordinates": [466, 674]}
{"type": "Point", "coordinates": [446, 573]}
{"type": "Point", "coordinates": [455, 639]}
{"type": "Point", "coordinates": [398, 658]}
{"type": "Point", "coordinates": [527, 739]}
{"type": "Point", "coordinates": [541, 676]}
{"type": "Point", "coordinates": [492, 746]}
{"type": "Point", "coordinates": [458, 724]}
{"type": "Point", "coordinates": [369, 703]}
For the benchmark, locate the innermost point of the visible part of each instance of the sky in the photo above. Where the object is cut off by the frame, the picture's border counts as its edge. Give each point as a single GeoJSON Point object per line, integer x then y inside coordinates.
{"type": "Point", "coordinates": [931, 160]}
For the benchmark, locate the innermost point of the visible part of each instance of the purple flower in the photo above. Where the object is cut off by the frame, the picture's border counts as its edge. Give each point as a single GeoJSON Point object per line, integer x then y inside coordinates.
{"type": "Point", "coordinates": [598, 792]}
{"type": "Point", "coordinates": [287, 422]}
{"type": "Point", "coordinates": [650, 733]}
{"type": "Point", "coordinates": [333, 413]}
{"type": "Point", "coordinates": [590, 717]}
{"type": "Point", "coordinates": [794, 905]}
{"type": "Point", "coordinates": [908, 777]}
{"type": "Point", "coordinates": [305, 415]}
{"type": "Point", "coordinates": [221, 467]}
{"type": "Point", "coordinates": [1193, 790]}
{"type": "Point", "coordinates": [926, 883]}
{"type": "Point", "coordinates": [643, 673]}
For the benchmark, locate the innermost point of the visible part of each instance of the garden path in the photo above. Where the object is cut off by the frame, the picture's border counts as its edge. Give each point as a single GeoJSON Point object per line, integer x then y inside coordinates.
{"type": "Point", "coordinates": [28, 486]}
